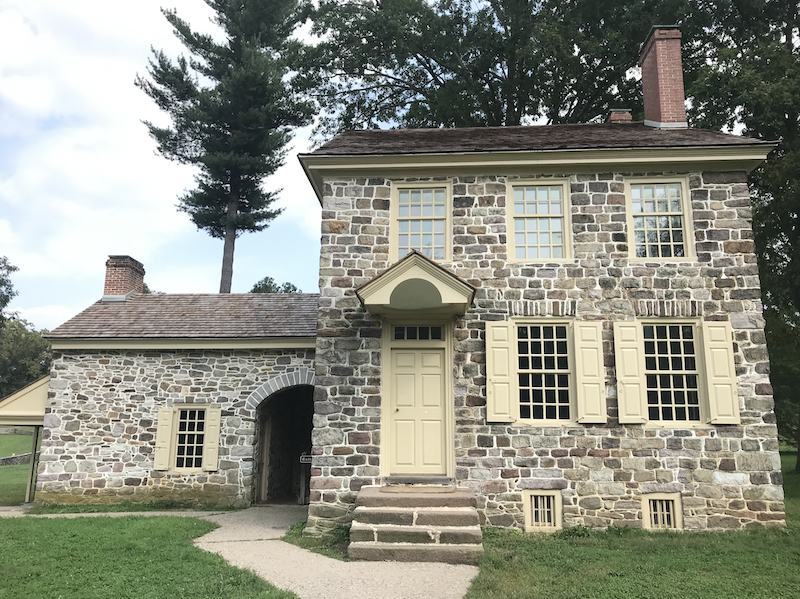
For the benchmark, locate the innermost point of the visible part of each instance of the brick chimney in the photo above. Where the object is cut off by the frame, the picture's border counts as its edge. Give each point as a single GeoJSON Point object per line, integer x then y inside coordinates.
{"type": "Point", "coordinates": [619, 115]}
{"type": "Point", "coordinates": [123, 275]}
{"type": "Point", "coordinates": [662, 78]}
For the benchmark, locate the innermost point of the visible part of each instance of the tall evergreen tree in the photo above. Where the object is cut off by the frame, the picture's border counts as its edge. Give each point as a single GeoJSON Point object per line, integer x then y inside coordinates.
{"type": "Point", "coordinates": [752, 79]}
{"type": "Point", "coordinates": [233, 110]}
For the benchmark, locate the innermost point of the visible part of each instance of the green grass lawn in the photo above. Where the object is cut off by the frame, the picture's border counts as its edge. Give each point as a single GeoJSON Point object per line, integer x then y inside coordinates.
{"type": "Point", "coordinates": [129, 557]}
{"type": "Point", "coordinates": [12, 483]}
{"type": "Point", "coordinates": [15, 444]}
{"type": "Point", "coordinates": [622, 563]}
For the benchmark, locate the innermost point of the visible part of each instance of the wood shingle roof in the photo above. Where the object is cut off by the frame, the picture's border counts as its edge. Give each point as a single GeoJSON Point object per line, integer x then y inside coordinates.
{"type": "Point", "coordinates": [196, 316]}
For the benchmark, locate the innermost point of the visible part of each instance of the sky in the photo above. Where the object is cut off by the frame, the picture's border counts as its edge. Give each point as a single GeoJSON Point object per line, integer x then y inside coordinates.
{"type": "Point", "coordinates": [79, 176]}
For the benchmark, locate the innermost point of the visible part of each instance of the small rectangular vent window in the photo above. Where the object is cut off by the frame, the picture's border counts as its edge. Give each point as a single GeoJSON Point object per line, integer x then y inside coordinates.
{"type": "Point", "coordinates": [542, 510]}
{"type": "Point", "coordinates": [418, 333]}
{"type": "Point", "coordinates": [662, 511]}
{"type": "Point", "coordinates": [191, 437]}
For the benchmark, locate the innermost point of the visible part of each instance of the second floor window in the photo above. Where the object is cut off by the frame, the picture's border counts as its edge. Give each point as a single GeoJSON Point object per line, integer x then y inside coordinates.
{"type": "Point", "coordinates": [421, 217]}
{"type": "Point", "coordinates": [538, 222]}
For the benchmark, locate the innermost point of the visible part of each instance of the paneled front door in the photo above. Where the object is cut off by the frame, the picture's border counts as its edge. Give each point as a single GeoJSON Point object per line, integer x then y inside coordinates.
{"type": "Point", "coordinates": [417, 412]}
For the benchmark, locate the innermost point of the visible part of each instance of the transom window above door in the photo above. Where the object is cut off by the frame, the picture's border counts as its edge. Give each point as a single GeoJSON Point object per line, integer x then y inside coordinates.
{"type": "Point", "coordinates": [421, 216]}
{"type": "Point", "coordinates": [417, 333]}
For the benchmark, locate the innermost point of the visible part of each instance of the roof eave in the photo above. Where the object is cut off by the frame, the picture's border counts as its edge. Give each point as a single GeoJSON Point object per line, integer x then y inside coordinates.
{"type": "Point", "coordinates": [729, 157]}
{"type": "Point", "coordinates": [182, 343]}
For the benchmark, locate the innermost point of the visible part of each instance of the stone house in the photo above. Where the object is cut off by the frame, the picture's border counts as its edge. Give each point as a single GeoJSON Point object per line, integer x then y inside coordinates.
{"type": "Point", "coordinates": [528, 327]}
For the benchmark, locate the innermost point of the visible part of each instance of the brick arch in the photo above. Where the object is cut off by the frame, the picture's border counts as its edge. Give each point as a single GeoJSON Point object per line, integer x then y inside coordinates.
{"type": "Point", "coordinates": [302, 376]}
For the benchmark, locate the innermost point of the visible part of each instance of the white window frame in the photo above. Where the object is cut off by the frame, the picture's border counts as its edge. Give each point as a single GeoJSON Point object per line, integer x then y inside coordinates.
{"type": "Point", "coordinates": [527, 510]}
{"type": "Point", "coordinates": [717, 381]}
{"type": "Point", "coordinates": [585, 362]}
{"type": "Point", "coordinates": [167, 431]}
{"type": "Point", "coordinates": [677, 514]}
{"type": "Point", "coordinates": [397, 186]}
{"type": "Point", "coordinates": [566, 210]}
{"type": "Point", "coordinates": [688, 226]}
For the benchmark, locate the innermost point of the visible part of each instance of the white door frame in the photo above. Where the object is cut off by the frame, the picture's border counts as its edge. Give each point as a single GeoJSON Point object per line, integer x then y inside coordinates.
{"type": "Point", "coordinates": [387, 390]}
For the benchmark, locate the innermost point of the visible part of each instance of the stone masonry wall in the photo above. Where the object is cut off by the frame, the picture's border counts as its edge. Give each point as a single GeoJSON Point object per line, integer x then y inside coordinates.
{"type": "Point", "coordinates": [728, 476]}
{"type": "Point", "coordinates": [100, 424]}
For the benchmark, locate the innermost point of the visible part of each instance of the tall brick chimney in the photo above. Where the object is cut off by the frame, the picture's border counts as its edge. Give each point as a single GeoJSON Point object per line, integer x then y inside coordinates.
{"type": "Point", "coordinates": [662, 78]}
{"type": "Point", "coordinates": [123, 275]}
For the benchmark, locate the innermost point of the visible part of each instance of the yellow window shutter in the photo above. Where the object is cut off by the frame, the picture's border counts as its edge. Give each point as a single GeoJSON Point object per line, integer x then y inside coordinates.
{"type": "Point", "coordinates": [590, 373]}
{"type": "Point", "coordinates": [501, 398]}
{"type": "Point", "coordinates": [163, 439]}
{"type": "Point", "coordinates": [631, 382]}
{"type": "Point", "coordinates": [211, 439]}
{"type": "Point", "coordinates": [723, 399]}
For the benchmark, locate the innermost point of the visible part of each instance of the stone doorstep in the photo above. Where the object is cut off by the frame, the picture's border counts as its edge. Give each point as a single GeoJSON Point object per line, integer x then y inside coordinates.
{"type": "Point", "coordinates": [410, 516]}
{"type": "Point", "coordinates": [388, 533]}
{"type": "Point", "coordinates": [372, 497]}
{"type": "Point", "coordinates": [414, 552]}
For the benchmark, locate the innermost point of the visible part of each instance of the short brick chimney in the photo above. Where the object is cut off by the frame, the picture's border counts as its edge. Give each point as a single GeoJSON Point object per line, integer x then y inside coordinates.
{"type": "Point", "coordinates": [619, 115]}
{"type": "Point", "coordinates": [123, 275]}
{"type": "Point", "coordinates": [662, 78]}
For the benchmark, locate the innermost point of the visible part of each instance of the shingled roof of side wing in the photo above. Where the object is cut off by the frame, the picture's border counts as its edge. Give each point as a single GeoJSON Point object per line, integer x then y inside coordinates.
{"type": "Point", "coordinates": [521, 139]}
{"type": "Point", "coordinates": [196, 316]}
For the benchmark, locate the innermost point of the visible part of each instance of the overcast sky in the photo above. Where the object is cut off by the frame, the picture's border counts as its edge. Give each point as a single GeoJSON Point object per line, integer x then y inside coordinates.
{"type": "Point", "coordinates": [79, 178]}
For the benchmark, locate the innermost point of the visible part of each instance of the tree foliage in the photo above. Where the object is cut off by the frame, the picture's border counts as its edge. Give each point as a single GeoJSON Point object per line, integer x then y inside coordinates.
{"type": "Point", "coordinates": [268, 285]}
{"type": "Point", "coordinates": [752, 79]}
{"type": "Point", "coordinates": [7, 292]}
{"type": "Point", "coordinates": [232, 111]}
{"type": "Point", "coordinates": [24, 355]}
{"type": "Point", "coordinates": [461, 63]}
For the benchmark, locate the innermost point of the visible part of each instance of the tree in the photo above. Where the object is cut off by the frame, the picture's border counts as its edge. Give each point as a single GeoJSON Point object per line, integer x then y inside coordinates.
{"type": "Point", "coordinates": [752, 78]}
{"type": "Point", "coordinates": [24, 355]}
{"type": "Point", "coordinates": [232, 111]}
{"type": "Point", "coordinates": [7, 292]}
{"type": "Point", "coordinates": [460, 63]}
{"type": "Point", "coordinates": [268, 285]}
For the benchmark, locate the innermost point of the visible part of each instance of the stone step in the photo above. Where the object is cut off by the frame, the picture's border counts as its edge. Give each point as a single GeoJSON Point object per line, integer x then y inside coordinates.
{"type": "Point", "coordinates": [373, 497]}
{"type": "Point", "coordinates": [425, 516]}
{"type": "Point", "coordinates": [415, 552]}
{"type": "Point", "coordinates": [426, 535]}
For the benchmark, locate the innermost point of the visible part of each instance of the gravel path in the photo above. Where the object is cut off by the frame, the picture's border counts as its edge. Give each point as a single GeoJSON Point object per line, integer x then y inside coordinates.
{"type": "Point", "coordinates": [251, 539]}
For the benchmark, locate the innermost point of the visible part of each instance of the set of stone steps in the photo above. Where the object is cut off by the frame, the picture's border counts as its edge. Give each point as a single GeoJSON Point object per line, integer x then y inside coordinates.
{"type": "Point", "coordinates": [416, 526]}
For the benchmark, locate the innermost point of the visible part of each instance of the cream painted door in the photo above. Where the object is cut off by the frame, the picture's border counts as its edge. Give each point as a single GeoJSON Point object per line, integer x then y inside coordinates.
{"type": "Point", "coordinates": [418, 412]}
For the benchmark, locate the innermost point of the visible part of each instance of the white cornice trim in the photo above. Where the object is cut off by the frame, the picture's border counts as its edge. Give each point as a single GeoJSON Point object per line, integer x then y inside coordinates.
{"type": "Point", "coordinates": [185, 344]}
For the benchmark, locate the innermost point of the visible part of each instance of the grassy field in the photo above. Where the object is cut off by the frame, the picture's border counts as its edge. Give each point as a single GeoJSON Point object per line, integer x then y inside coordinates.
{"type": "Point", "coordinates": [15, 444]}
{"type": "Point", "coordinates": [124, 558]}
{"type": "Point", "coordinates": [12, 484]}
{"type": "Point", "coordinates": [579, 563]}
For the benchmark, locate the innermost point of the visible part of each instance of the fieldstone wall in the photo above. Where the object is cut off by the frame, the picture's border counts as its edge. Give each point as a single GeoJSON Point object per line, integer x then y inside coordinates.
{"type": "Point", "coordinates": [100, 424]}
{"type": "Point", "coordinates": [728, 476]}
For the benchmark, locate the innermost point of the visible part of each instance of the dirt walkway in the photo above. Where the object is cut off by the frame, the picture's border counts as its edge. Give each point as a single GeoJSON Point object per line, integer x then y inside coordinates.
{"type": "Point", "coordinates": [251, 539]}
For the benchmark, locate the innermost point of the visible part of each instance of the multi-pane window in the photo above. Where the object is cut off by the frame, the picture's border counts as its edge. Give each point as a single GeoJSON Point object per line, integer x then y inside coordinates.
{"type": "Point", "coordinates": [191, 438]}
{"type": "Point", "coordinates": [662, 511]}
{"type": "Point", "coordinates": [421, 224]}
{"type": "Point", "coordinates": [414, 333]}
{"type": "Point", "coordinates": [658, 230]}
{"type": "Point", "coordinates": [671, 372]}
{"type": "Point", "coordinates": [543, 372]}
{"type": "Point", "coordinates": [538, 216]}
{"type": "Point", "coordinates": [542, 510]}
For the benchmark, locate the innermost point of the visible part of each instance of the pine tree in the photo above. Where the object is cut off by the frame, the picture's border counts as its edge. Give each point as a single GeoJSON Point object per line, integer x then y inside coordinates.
{"type": "Point", "coordinates": [233, 110]}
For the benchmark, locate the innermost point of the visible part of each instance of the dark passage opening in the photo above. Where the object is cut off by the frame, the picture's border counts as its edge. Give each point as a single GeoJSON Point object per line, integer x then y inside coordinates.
{"type": "Point", "coordinates": [284, 433]}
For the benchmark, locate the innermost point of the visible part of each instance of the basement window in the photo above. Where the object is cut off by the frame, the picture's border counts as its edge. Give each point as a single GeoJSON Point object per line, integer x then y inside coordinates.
{"type": "Point", "coordinates": [542, 510]}
{"type": "Point", "coordinates": [662, 511]}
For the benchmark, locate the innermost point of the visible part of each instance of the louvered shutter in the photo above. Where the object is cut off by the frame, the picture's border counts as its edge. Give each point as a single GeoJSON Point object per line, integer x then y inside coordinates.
{"type": "Point", "coordinates": [590, 379]}
{"type": "Point", "coordinates": [631, 382]}
{"type": "Point", "coordinates": [501, 402]}
{"type": "Point", "coordinates": [723, 399]}
{"type": "Point", "coordinates": [211, 439]}
{"type": "Point", "coordinates": [163, 439]}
